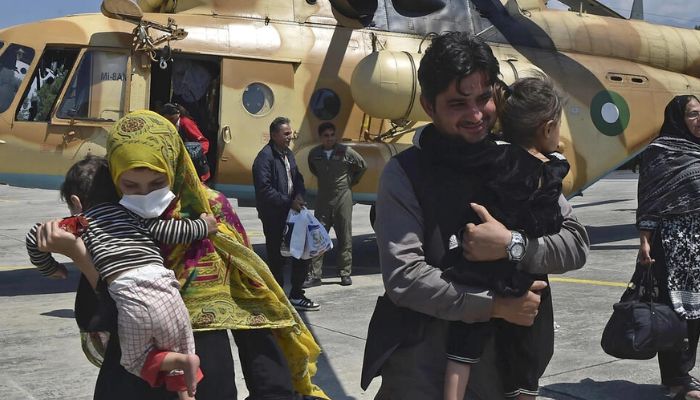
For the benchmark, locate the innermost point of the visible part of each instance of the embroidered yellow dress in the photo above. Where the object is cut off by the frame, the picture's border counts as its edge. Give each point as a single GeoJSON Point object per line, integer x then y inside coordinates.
{"type": "Point", "coordinates": [225, 285]}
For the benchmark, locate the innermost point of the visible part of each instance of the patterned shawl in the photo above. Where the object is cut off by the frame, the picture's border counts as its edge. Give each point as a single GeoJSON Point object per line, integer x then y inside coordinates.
{"type": "Point", "coordinates": [669, 177]}
{"type": "Point", "coordinates": [225, 285]}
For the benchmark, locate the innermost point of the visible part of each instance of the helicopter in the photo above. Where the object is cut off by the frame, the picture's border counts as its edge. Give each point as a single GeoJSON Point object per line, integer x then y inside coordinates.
{"type": "Point", "coordinates": [235, 66]}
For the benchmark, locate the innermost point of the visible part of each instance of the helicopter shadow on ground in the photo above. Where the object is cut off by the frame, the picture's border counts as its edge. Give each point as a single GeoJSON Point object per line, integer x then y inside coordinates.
{"type": "Point", "coordinates": [598, 203]}
{"type": "Point", "coordinates": [326, 377]}
{"type": "Point", "coordinates": [601, 235]}
{"type": "Point", "coordinates": [365, 257]}
{"type": "Point", "coordinates": [365, 262]}
{"type": "Point", "coordinates": [589, 389]}
{"type": "Point", "coordinates": [28, 281]}
{"type": "Point", "coordinates": [60, 313]}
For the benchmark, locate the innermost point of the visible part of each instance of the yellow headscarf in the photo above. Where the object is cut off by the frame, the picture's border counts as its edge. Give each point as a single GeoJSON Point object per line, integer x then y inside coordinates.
{"type": "Point", "coordinates": [225, 285]}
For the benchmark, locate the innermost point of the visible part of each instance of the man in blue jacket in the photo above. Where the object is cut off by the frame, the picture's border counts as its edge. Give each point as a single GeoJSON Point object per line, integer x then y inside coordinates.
{"type": "Point", "coordinates": [279, 187]}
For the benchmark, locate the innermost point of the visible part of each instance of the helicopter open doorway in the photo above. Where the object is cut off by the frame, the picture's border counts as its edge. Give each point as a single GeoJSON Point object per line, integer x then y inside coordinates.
{"type": "Point", "coordinates": [192, 81]}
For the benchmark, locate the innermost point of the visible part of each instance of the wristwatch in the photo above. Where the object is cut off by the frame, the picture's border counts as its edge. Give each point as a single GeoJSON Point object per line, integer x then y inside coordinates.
{"type": "Point", "coordinates": [516, 247]}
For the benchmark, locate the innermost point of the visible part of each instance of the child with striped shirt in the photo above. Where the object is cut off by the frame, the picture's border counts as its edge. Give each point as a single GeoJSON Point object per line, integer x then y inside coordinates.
{"type": "Point", "coordinates": [153, 323]}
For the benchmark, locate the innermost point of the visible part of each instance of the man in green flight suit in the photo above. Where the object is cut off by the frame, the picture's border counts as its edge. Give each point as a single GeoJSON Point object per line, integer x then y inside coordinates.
{"type": "Point", "coordinates": [337, 168]}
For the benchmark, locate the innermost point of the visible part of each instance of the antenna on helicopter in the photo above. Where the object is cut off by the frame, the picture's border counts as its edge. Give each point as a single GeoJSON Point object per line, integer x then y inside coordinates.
{"type": "Point", "coordinates": [130, 11]}
{"type": "Point", "coordinates": [637, 10]}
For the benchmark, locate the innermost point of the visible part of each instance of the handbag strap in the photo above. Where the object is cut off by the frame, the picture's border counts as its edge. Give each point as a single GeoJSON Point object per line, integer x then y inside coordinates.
{"type": "Point", "coordinates": [648, 273]}
{"type": "Point", "coordinates": [650, 285]}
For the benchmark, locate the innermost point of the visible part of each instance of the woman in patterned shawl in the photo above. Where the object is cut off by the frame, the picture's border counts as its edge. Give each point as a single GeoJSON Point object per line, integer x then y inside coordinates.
{"type": "Point", "coordinates": [668, 219]}
{"type": "Point", "coordinates": [225, 285]}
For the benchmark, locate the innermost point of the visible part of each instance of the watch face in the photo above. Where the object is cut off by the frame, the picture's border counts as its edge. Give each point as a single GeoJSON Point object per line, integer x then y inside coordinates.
{"type": "Point", "coordinates": [517, 251]}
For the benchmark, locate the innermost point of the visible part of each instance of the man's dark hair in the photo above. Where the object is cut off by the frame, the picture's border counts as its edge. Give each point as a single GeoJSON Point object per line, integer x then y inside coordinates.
{"type": "Point", "coordinates": [168, 109]}
{"type": "Point", "coordinates": [277, 123]}
{"type": "Point", "coordinates": [532, 102]}
{"type": "Point", "coordinates": [325, 126]}
{"type": "Point", "coordinates": [452, 56]}
{"type": "Point", "coordinates": [89, 179]}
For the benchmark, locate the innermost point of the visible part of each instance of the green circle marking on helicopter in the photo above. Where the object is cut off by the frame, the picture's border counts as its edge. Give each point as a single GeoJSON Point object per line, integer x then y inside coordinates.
{"type": "Point", "coordinates": [610, 113]}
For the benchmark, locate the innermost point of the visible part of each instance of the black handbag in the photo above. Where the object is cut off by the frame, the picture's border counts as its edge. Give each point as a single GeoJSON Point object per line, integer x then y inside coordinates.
{"type": "Point", "coordinates": [95, 311]}
{"type": "Point", "coordinates": [199, 159]}
{"type": "Point", "coordinates": [639, 327]}
{"type": "Point", "coordinates": [96, 315]}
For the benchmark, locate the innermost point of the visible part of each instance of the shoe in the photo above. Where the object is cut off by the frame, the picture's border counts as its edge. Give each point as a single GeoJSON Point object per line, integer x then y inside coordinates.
{"type": "Point", "coordinates": [311, 282]}
{"type": "Point", "coordinates": [304, 304]}
{"type": "Point", "coordinates": [345, 280]}
{"type": "Point", "coordinates": [692, 386]}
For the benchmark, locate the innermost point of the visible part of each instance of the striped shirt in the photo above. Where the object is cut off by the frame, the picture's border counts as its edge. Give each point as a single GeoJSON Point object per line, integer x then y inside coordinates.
{"type": "Point", "coordinates": [119, 240]}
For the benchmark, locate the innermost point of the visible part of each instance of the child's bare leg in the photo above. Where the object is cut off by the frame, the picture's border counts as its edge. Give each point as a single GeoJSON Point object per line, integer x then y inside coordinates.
{"type": "Point", "coordinates": [188, 363]}
{"type": "Point", "coordinates": [456, 379]}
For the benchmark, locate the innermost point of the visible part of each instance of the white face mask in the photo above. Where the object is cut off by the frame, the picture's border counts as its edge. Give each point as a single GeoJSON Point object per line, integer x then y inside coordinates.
{"type": "Point", "coordinates": [150, 205]}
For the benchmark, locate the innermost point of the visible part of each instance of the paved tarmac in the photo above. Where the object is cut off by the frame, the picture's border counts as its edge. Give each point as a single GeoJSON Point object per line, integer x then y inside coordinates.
{"type": "Point", "coordinates": [40, 355]}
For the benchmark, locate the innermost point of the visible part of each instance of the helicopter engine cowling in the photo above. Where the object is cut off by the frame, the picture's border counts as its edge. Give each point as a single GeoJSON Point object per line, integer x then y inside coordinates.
{"type": "Point", "coordinates": [151, 5]}
{"type": "Point", "coordinates": [385, 85]}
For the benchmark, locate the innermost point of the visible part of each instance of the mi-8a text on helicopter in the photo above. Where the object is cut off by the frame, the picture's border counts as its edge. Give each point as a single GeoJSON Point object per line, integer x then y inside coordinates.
{"type": "Point", "coordinates": [235, 65]}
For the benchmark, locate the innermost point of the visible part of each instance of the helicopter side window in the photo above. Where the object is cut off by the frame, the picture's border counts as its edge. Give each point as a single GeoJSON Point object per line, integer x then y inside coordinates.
{"type": "Point", "coordinates": [258, 99]}
{"type": "Point", "coordinates": [46, 83]}
{"type": "Point", "coordinates": [96, 91]}
{"type": "Point", "coordinates": [14, 64]}
{"type": "Point", "coordinates": [325, 104]}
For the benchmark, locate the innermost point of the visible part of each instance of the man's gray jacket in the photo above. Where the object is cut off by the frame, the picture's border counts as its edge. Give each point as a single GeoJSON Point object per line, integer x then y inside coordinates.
{"type": "Point", "coordinates": [408, 260]}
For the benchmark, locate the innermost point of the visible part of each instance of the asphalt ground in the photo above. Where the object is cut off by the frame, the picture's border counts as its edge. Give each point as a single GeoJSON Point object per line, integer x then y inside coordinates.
{"type": "Point", "coordinates": [40, 355]}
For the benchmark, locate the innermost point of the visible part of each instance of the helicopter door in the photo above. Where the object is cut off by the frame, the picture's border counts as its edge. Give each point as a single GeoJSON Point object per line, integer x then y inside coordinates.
{"type": "Point", "coordinates": [253, 93]}
{"type": "Point", "coordinates": [191, 81]}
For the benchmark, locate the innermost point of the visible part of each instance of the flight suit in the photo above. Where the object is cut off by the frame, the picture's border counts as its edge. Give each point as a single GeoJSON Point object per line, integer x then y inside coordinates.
{"type": "Point", "coordinates": [333, 208]}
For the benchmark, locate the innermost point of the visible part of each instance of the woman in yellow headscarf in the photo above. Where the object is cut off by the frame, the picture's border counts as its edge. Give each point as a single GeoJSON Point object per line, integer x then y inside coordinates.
{"type": "Point", "coordinates": [225, 285]}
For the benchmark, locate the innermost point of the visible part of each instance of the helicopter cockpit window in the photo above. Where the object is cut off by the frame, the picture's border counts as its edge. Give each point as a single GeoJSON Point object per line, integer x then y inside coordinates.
{"type": "Point", "coordinates": [2, 44]}
{"type": "Point", "coordinates": [325, 104]}
{"type": "Point", "coordinates": [258, 99]}
{"type": "Point", "coordinates": [14, 64]}
{"type": "Point", "coordinates": [46, 83]}
{"type": "Point", "coordinates": [96, 90]}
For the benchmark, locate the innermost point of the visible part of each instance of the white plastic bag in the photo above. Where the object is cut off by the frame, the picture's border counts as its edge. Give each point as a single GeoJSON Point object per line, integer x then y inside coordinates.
{"type": "Point", "coordinates": [294, 235]}
{"type": "Point", "coordinates": [318, 241]}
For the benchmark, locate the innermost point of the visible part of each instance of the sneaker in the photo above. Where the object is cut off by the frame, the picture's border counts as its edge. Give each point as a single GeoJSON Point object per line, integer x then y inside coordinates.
{"type": "Point", "coordinates": [345, 280]}
{"type": "Point", "coordinates": [304, 304]}
{"type": "Point", "coordinates": [311, 282]}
